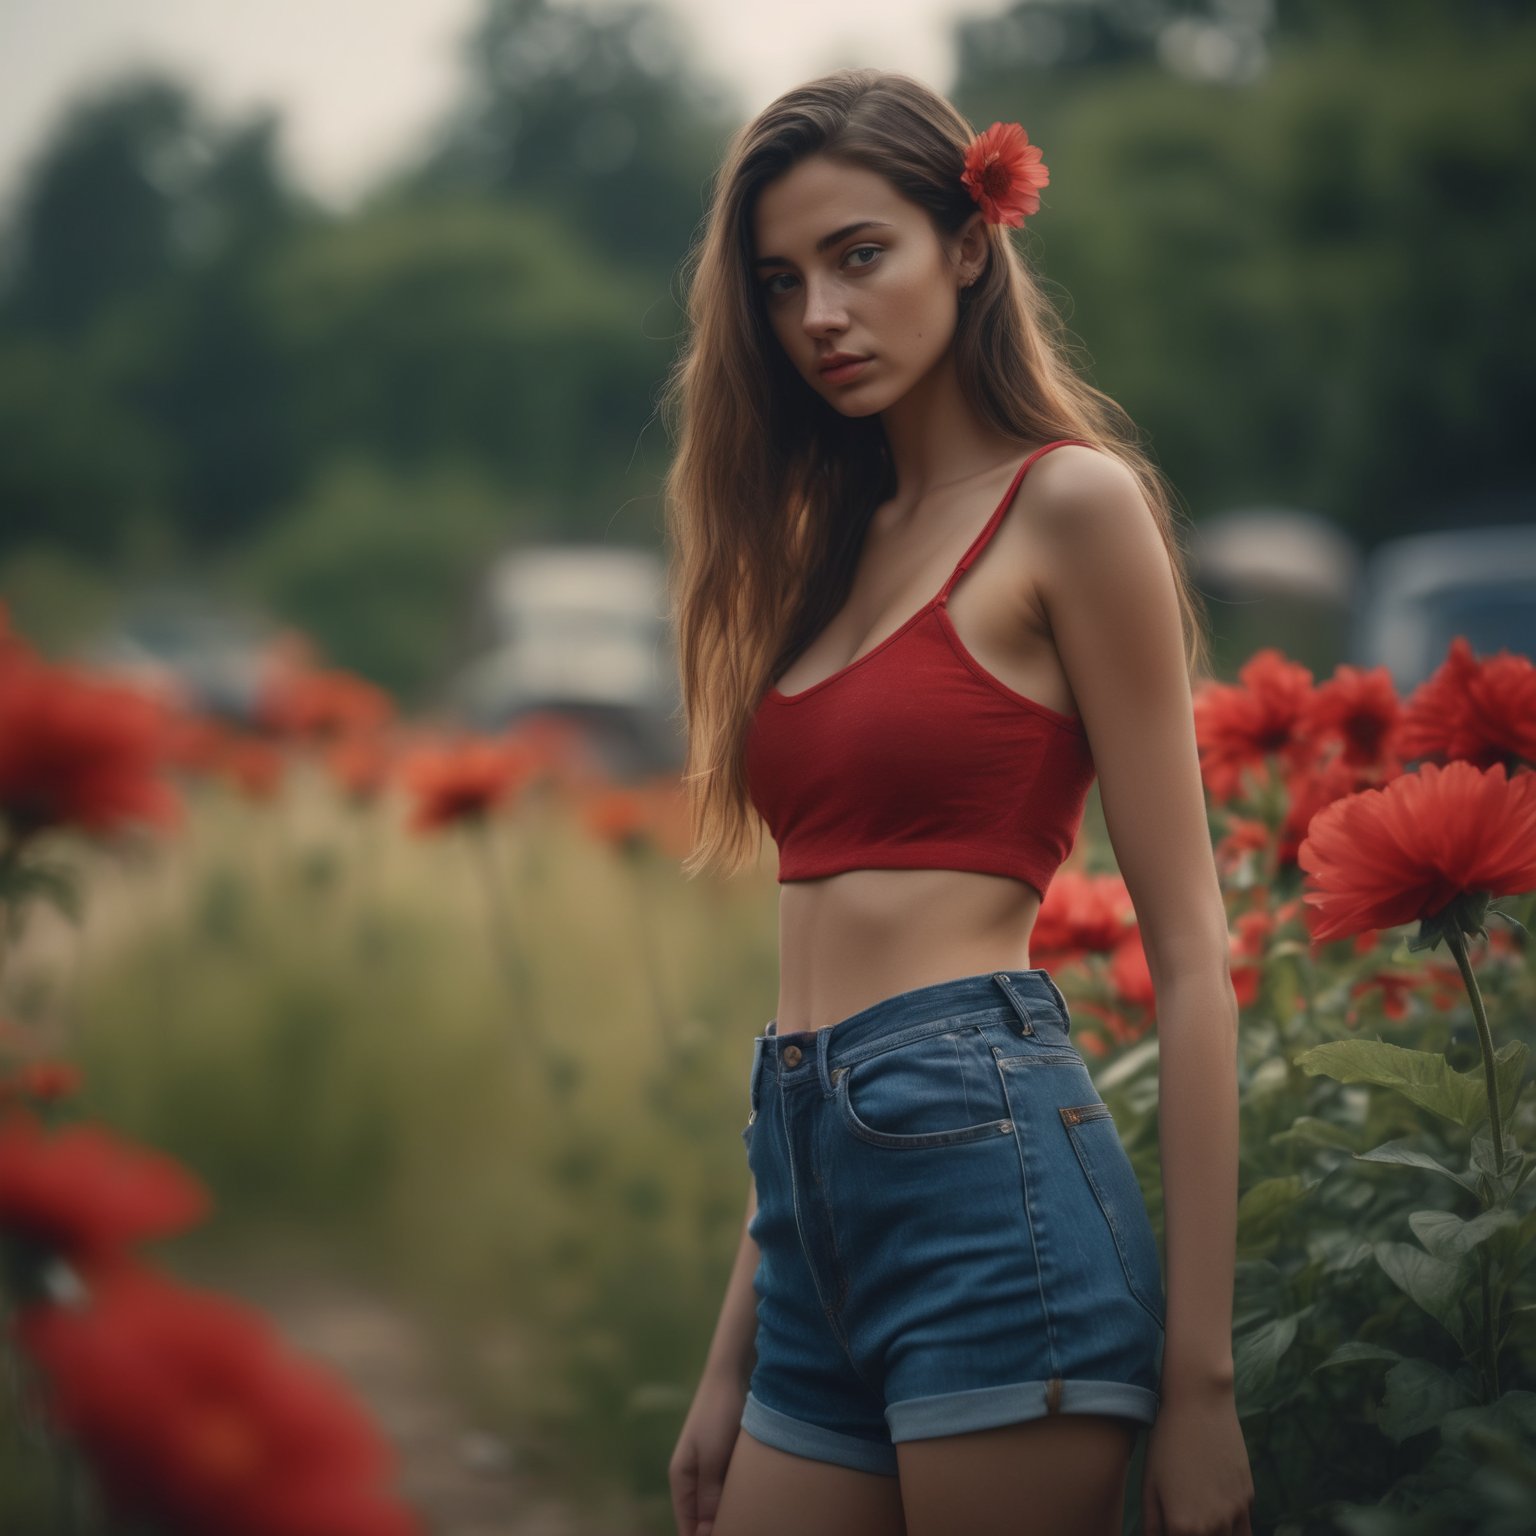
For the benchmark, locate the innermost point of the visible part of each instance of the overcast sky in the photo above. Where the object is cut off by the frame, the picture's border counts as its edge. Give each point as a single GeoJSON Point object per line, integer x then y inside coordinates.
{"type": "Point", "coordinates": [357, 80]}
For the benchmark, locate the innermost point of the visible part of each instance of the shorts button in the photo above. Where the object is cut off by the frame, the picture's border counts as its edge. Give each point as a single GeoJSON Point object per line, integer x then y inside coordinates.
{"type": "Point", "coordinates": [791, 1055]}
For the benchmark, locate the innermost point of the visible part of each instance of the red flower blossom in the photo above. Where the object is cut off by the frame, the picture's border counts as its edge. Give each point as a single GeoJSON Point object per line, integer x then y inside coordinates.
{"type": "Point", "coordinates": [1242, 725]}
{"type": "Point", "coordinates": [1404, 853]}
{"type": "Point", "coordinates": [196, 1418]}
{"type": "Point", "coordinates": [1362, 710]}
{"type": "Point", "coordinates": [1004, 174]}
{"type": "Point", "coordinates": [253, 765]}
{"type": "Point", "coordinates": [87, 1193]}
{"type": "Point", "coordinates": [1081, 914]}
{"type": "Point", "coordinates": [1308, 790]}
{"type": "Point", "coordinates": [620, 817]}
{"type": "Point", "coordinates": [464, 781]}
{"type": "Point", "coordinates": [79, 751]}
{"type": "Point", "coordinates": [41, 1081]}
{"type": "Point", "coordinates": [323, 704]}
{"type": "Point", "coordinates": [1482, 710]}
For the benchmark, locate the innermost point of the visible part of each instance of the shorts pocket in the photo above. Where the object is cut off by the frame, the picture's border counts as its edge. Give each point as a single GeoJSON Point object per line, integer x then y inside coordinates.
{"type": "Point", "coordinates": [936, 1091]}
{"type": "Point", "coordinates": [1096, 1140]}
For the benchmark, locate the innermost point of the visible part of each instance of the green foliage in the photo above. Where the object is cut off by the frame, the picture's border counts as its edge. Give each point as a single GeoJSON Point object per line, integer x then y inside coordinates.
{"type": "Point", "coordinates": [370, 565]}
{"type": "Point", "coordinates": [1425, 1077]}
{"type": "Point", "coordinates": [1307, 288]}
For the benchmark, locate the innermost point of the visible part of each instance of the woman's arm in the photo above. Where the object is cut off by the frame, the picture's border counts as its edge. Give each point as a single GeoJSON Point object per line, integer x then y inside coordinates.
{"type": "Point", "coordinates": [1108, 588]}
{"type": "Point", "coordinates": [733, 1350]}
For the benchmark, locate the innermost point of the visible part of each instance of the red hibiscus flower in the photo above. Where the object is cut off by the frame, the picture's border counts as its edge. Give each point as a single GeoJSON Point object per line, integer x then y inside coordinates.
{"type": "Point", "coordinates": [1004, 173]}
{"type": "Point", "coordinates": [1428, 839]}
{"type": "Point", "coordinates": [195, 1416]}
{"type": "Point", "coordinates": [88, 1194]}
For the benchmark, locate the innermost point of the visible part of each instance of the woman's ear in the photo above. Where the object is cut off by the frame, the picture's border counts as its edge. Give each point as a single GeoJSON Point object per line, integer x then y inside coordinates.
{"type": "Point", "coordinates": [971, 248]}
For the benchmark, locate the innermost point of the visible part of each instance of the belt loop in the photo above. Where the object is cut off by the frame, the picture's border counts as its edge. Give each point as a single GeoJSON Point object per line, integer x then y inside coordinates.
{"type": "Point", "coordinates": [1066, 1013]}
{"type": "Point", "coordinates": [823, 1070]}
{"type": "Point", "coordinates": [1026, 1025]}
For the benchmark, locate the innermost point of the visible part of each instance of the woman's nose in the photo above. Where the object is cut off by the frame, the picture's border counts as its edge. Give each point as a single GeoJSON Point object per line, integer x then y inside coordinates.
{"type": "Point", "coordinates": [823, 308]}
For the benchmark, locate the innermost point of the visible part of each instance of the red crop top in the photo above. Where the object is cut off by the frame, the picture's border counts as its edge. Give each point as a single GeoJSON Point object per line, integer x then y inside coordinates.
{"type": "Point", "coordinates": [914, 756]}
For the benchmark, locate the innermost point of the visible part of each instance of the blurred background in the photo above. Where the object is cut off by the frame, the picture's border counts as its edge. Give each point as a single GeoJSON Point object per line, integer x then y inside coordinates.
{"type": "Point", "coordinates": [336, 330]}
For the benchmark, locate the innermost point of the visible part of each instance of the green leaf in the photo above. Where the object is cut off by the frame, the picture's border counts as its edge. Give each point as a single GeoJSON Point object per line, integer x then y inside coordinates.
{"type": "Point", "coordinates": [1354, 1350]}
{"type": "Point", "coordinates": [1424, 1077]}
{"type": "Point", "coordinates": [1336, 1247]}
{"type": "Point", "coordinates": [1419, 1395]}
{"type": "Point", "coordinates": [1400, 1152]}
{"type": "Point", "coordinates": [1268, 1205]}
{"type": "Point", "coordinates": [1511, 1417]}
{"type": "Point", "coordinates": [1309, 1130]}
{"type": "Point", "coordinates": [1448, 1237]}
{"type": "Point", "coordinates": [1257, 1353]}
{"type": "Point", "coordinates": [1435, 1284]}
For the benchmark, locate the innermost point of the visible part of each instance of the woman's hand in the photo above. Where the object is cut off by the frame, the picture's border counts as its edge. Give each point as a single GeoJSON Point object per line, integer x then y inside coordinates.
{"type": "Point", "coordinates": [1195, 1479]}
{"type": "Point", "coordinates": [697, 1469]}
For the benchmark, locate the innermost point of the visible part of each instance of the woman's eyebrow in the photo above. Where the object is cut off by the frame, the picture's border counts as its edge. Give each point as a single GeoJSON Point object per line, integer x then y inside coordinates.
{"type": "Point", "coordinates": [826, 241]}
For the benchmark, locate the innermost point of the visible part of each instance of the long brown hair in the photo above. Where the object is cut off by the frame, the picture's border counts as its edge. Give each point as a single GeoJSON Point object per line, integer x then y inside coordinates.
{"type": "Point", "coordinates": [771, 490]}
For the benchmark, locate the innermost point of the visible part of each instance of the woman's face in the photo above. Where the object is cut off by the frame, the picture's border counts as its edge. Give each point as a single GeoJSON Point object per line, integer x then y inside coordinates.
{"type": "Point", "coordinates": [846, 264]}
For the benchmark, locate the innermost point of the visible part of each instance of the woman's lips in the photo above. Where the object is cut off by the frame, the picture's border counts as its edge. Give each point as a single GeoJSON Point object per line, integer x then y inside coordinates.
{"type": "Point", "coordinates": [844, 372]}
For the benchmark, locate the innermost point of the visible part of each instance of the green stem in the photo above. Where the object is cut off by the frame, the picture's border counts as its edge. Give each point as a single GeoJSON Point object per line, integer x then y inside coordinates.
{"type": "Point", "coordinates": [509, 954]}
{"type": "Point", "coordinates": [1457, 943]}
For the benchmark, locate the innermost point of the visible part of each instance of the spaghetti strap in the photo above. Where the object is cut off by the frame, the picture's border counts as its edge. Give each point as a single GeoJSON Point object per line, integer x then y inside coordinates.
{"type": "Point", "coordinates": [981, 540]}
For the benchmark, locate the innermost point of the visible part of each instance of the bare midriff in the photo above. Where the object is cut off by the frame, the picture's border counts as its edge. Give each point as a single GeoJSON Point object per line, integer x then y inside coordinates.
{"type": "Point", "coordinates": [850, 939]}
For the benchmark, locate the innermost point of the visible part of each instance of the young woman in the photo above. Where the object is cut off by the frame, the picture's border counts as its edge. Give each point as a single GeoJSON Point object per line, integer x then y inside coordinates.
{"type": "Point", "coordinates": [926, 588]}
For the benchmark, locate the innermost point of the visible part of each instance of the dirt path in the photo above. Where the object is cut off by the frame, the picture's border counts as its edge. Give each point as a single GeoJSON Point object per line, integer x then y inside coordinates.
{"type": "Point", "coordinates": [462, 1480]}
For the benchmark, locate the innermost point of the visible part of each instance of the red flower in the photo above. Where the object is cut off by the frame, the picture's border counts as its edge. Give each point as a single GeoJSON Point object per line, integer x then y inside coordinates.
{"type": "Point", "coordinates": [1405, 852]}
{"type": "Point", "coordinates": [253, 764]}
{"type": "Point", "coordinates": [1479, 709]}
{"type": "Point", "coordinates": [1241, 726]}
{"type": "Point", "coordinates": [42, 1081]}
{"type": "Point", "coordinates": [87, 1193]}
{"type": "Point", "coordinates": [1081, 914]}
{"type": "Point", "coordinates": [1362, 709]}
{"type": "Point", "coordinates": [1004, 173]}
{"type": "Point", "coordinates": [79, 751]}
{"type": "Point", "coordinates": [464, 781]}
{"type": "Point", "coordinates": [195, 1416]}
{"type": "Point", "coordinates": [620, 817]}
{"type": "Point", "coordinates": [323, 704]}
{"type": "Point", "coordinates": [1308, 790]}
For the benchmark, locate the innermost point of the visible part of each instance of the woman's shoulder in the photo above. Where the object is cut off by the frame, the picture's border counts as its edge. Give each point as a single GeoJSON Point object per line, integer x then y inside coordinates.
{"type": "Point", "coordinates": [1077, 483]}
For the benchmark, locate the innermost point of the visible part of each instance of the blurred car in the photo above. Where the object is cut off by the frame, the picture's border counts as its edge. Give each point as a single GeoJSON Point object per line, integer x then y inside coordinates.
{"type": "Point", "coordinates": [1275, 576]}
{"type": "Point", "coordinates": [184, 646]}
{"type": "Point", "coordinates": [1418, 593]}
{"type": "Point", "coordinates": [581, 633]}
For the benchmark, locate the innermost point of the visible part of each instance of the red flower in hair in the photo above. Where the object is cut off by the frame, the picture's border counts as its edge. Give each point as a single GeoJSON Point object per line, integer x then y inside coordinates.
{"type": "Point", "coordinates": [1004, 173]}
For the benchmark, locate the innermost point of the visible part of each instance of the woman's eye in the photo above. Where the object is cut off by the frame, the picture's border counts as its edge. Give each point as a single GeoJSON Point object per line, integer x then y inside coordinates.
{"type": "Point", "coordinates": [772, 292]}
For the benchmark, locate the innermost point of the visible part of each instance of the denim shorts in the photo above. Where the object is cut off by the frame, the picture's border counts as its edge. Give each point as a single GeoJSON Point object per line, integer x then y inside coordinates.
{"type": "Point", "coordinates": [952, 1236]}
